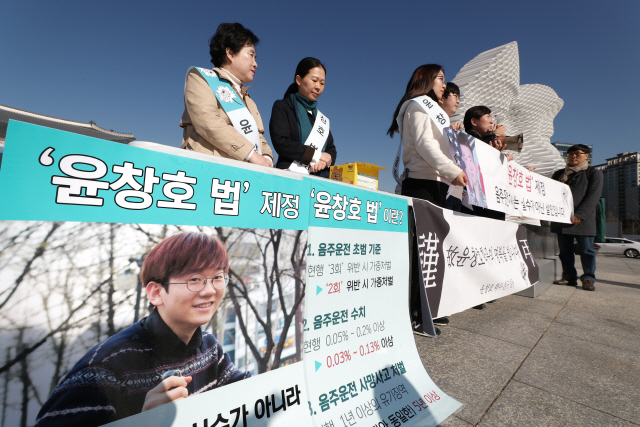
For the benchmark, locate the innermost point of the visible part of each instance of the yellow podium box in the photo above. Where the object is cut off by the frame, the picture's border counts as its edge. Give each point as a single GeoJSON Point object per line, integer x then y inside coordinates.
{"type": "Point", "coordinates": [361, 174]}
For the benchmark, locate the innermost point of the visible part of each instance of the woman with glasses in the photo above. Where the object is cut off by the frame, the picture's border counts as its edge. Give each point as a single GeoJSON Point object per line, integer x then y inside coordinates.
{"type": "Point", "coordinates": [165, 356]}
{"type": "Point", "coordinates": [428, 167]}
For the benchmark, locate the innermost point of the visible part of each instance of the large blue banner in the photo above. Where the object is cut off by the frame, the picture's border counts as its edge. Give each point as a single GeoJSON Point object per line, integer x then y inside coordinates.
{"type": "Point", "coordinates": [54, 175]}
{"type": "Point", "coordinates": [80, 218]}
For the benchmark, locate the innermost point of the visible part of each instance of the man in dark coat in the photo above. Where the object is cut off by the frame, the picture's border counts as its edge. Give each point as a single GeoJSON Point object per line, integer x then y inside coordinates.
{"type": "Point", "coordinates": [586, 187]}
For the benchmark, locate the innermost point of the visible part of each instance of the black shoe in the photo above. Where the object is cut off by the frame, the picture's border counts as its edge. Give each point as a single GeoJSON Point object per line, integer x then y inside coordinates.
{"type": "Point", "coordinates": [564, 280]}
{"type": "Point", "coordinates": [479, 307]}
{"type": "Point", "coordinates": [561, 281]}
{"type": "Point", "coordinates": [416, 326]}
{"type": "Point", "coordinates": [441, 321]}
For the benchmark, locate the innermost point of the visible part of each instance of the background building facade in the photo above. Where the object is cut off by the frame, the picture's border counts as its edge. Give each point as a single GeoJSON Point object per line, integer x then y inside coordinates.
{"type": "Point", "coordinates": [88, 129]}
{"type": "Point", "coordinates": [622, 193]}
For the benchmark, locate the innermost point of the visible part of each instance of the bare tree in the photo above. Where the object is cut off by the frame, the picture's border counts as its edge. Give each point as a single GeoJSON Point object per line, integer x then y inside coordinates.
{"type": "Point", "coordinates": [5, 390]}
{"type": "Point", "coordinates": [298, 263]}
{"type": "Point", "coordinates": [39, 251]}
{"type": "Point", "coordinates": [111, 329]}
{"type": "Point", "coordinates": [276, 256]}
{"type": "Point", "coordinates": [24, 378]}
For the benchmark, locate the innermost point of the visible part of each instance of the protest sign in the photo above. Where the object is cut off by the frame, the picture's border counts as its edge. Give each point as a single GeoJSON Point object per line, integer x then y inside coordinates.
{"type": "Point", "coordinates": [363, 366]}
{"type": "Point", "coordinates": [464, 155]}
{"type": "Point", "coordinates": [84, 213]}
{"type": "Point", "coordinates": [506, 186]}
{"type": "Point", "coordinates": [467, 260]}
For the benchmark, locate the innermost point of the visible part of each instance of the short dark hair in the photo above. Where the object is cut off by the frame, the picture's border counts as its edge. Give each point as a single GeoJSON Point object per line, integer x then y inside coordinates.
{"type": "Point", "coordinates": [474, 113]}
{"type": "Point", "coordinates": [451, 88]}
{"type": "Point", "coordinates": [232, 36]}
{"type": "Point", "coordinates": [420, 83]}
{"type": "Point", "coordinates": [302, 70]}
{"type": "Point", "coordinates": [579, 147]}
{"type": "Point", "coordinates": [183, 252]}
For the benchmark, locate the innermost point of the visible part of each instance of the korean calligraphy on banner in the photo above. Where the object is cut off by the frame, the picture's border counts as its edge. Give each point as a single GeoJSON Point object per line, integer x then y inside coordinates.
{"type": "Point", "coordinates": [82, 215]}
{"type": "Point", "coordinates": [467, 260]}
{"type": "Point", "coordinates": [508, 187]}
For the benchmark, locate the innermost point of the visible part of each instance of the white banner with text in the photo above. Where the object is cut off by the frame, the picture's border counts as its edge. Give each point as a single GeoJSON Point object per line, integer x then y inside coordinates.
{"type": "Point", "coordinates": [467, 260]}
{"type": "Point", "coordinates": [508, 187]}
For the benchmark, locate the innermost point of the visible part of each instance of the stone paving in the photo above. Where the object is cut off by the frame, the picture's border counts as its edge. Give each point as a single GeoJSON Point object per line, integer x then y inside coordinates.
{"type": "Point", "coordinates": [565, 358]}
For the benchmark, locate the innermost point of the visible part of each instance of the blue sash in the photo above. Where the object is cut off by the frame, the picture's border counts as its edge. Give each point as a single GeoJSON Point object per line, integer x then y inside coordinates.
{"type": "Point", "coordinates": [239, 115]}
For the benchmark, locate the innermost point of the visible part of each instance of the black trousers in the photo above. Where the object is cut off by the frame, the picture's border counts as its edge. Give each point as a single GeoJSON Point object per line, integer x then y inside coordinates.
{"type": "Point", "coordinates": [426, 189]}
{"type": "Point", "coordinates": [484, 212]}
{"type": "Point", "coordinates": [436, 193]}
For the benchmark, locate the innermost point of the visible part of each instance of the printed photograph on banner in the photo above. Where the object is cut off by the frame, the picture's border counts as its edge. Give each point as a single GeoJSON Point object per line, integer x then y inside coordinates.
{"type": "Point", "coordinates": [98, 319]}
{"type": "Point", "coordinates": [463, 150]}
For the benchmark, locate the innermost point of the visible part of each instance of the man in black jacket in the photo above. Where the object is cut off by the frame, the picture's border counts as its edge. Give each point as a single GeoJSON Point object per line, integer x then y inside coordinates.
{"type": "Point", "coordinates": [586, 187]}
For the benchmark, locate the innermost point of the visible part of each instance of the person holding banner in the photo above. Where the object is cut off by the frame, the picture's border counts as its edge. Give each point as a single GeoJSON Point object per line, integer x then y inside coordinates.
{"type": "Point", "coordinates": [429, 169]}
{"type": "Point", "coordinates": [449, 102]}
{"type": "Point", "coordinates": [163, 357]}
{"type": "Point", "coordinates": [220, 118]}
{"type": "Point", "coordinates": [479, 124]}
{"type": "Point", "coordinates": [299, 131]}
{"type": "Point", "coordinates": [420, 122]}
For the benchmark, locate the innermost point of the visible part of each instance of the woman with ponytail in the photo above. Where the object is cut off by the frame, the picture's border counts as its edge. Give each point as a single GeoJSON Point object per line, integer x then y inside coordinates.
{"type": "Point", "coordinates": [299, 132]}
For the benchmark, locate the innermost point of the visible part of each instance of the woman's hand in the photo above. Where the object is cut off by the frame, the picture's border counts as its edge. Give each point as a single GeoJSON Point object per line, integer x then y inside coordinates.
{"type": "Point", "coordinates": [170, 389]}
{"type": "Point", "coordinates": [323, 163]}
{"type": "Point", "coordinates": [461, 180]}
{"type": "Point", "coordinates": [508, 156]}
{"type": "Point", "coordinates": [258, 159]}
{"type": "Point", "coordinates": [456, 126]}
{"type": "Point", "coordinates": [318, 166]}
{"type": "Point", "coordinates": [326, 157]}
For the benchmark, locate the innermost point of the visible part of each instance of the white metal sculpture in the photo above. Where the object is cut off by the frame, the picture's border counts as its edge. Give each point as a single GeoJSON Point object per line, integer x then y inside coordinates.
{"type": "Point", "coordinates": [493, 79]}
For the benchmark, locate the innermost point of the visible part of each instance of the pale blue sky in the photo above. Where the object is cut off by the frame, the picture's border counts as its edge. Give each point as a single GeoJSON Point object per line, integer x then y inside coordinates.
{"type": "Point", "coordinates": [122, 63]}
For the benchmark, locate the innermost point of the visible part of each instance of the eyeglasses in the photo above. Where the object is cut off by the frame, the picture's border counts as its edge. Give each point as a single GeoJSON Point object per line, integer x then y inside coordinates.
{"type": "Point", "coordinates": [576, 153]}
{"type": "Point", "coordinates": [197, 282]}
